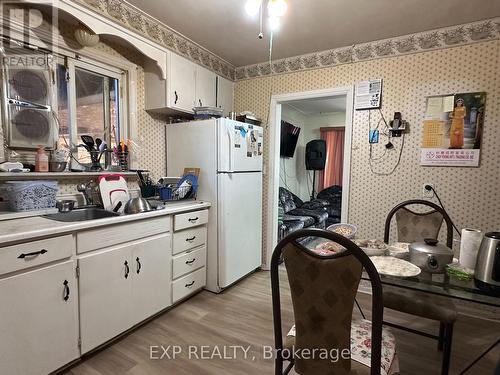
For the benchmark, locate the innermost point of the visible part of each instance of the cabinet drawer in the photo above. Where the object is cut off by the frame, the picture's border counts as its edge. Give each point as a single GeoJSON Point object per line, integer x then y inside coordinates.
{"type": "Point", "coordinates": [190, 219]}
{"type": "Point", "coordinates": [189, 261]}
{"type": "Point", "coordinates": [189, 239]}
{"type": "Point", "coordinates": [34, 253]}
{"type": "Point", "coordinates": [188, 284]}
{"type": "Point", "coordinates": [111, 235]}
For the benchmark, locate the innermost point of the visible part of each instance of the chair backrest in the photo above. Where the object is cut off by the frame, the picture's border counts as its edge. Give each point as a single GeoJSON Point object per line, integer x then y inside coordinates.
{"type": "Point", "coordinates": [323, 289]}
{"type": "Point", "coordinates": [415, 226]}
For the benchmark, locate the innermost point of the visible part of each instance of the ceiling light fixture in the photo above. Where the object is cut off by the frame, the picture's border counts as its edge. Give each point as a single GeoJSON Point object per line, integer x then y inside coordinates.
{"type": "Point", "coordinates": [252, 7]}
{"type": "Point", "coordinates": [275, 10]}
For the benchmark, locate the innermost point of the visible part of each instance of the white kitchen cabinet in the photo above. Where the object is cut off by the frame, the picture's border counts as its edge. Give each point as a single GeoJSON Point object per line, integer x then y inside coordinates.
{"type": "Point", "coordinates": [187, 85]}
{"type": "Point", "coordinates": [225, 95]}
{"type": "Point", "coordinates": [105, 290]}
{"type": "Point", "coordinates": [38, 320]}
{"type": "Point", "coordinates": [177, 93]}
{"type": "Point", "coordinates": [121, 286]}
{"type": "Point", "coordinates": [206, 87]}
{"type": "Point", "coordinates": [181, 78]}
{"type": "Point", "coordinates": [151, 276]}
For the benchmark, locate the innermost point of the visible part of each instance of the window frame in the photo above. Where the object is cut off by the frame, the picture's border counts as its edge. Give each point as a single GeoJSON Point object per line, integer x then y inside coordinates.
{"type": "Point", "coordinates": [119, 75]}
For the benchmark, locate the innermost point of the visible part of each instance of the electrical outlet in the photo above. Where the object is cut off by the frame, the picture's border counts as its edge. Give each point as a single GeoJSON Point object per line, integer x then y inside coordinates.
{"type": "Point", "coordinates": [427, 193]}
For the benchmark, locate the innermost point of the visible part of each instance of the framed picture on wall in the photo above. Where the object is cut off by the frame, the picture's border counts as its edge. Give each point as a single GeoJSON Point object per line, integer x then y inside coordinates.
{"type": "Point", "coordinates": [452, 130]}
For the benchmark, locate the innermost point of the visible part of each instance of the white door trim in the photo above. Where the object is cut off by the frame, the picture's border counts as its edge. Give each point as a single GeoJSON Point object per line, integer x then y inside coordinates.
{"type": "Point", "coordinates": [274, 157]}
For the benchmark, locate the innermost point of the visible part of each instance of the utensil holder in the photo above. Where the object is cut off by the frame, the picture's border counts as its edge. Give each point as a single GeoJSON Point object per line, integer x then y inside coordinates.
{"type": "Point", "coordinates": [148, 191]}
{"type": "Point", "coordinates": [123, 160]}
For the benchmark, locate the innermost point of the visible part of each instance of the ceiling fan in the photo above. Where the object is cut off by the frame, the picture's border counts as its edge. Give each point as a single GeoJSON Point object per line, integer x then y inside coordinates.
{"type": "Point", "coordinates": [275, 10]}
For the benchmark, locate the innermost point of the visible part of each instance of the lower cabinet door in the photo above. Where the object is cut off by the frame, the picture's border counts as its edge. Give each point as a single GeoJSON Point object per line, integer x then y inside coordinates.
{"type": "Point", "coordinates": [38, 320]}
{"type": "Point", "coordinates": [151, 284]}
{"type": "Point", "coordinates": [105, 286]}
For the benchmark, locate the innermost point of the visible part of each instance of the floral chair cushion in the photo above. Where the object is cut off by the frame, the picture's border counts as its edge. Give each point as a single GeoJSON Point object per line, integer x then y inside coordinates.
{"type": "Point", "coordinates": [361, 346]}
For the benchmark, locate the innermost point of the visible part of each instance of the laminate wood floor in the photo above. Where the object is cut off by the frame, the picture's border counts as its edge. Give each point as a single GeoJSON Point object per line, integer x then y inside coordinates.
{"type": "Point", "coordinates": [242, 316]}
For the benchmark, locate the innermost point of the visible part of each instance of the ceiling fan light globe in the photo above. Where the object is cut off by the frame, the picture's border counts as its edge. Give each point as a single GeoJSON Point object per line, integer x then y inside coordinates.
{"type": "Point", "coordinates": [277, 8]}
{"type": "Point", "coordinates": [252, 7]}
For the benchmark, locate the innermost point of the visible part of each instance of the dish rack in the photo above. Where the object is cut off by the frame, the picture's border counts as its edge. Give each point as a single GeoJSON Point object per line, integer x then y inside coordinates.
{"type": "Point", "coordinates": [174, 192]}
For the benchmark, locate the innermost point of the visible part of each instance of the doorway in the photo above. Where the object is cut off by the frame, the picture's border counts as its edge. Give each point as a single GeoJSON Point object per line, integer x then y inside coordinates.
{"type": "Point", "coordinates": [317, 113]}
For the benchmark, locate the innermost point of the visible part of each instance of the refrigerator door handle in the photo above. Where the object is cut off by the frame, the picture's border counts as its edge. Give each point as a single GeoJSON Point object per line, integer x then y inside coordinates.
{"type": "Point", "coordinates": [230, 148]}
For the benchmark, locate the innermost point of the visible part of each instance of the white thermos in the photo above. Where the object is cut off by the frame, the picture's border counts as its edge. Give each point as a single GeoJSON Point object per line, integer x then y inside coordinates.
{"type": "Point", "coordinates": [469, 246]}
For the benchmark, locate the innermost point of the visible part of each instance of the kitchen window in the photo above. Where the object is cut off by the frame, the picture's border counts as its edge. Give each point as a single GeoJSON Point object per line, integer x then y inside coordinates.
{"type": "Point", "coordinates": [89, 102]}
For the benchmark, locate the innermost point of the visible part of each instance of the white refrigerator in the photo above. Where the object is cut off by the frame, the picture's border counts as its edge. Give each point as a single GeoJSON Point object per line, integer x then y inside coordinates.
{"type": "Point", "coordinates": [229, 154]}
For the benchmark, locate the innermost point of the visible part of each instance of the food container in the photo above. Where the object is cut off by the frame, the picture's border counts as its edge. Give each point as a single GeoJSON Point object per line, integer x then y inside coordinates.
{"type": "Point", "coordinates": [31, 195]}
{"type": "Point", "coordinates": [371, 248]}
{"type": "Point", "coordinates": [430, 255]}
{"type": "Point", "coordinates": [344, 229]}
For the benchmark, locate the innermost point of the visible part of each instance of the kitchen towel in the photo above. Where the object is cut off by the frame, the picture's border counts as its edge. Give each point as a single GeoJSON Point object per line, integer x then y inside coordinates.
{"type": "Point", "coordinates": [469, 246]}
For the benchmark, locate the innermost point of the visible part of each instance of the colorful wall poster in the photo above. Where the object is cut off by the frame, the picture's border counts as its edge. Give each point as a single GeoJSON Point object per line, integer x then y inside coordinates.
{"type": "Point", "coordinates": [452, 130]}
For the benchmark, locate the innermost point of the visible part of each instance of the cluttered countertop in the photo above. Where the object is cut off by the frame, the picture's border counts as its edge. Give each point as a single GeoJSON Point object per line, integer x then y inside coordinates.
{"type": "Point", "coordinates": [25, 229]}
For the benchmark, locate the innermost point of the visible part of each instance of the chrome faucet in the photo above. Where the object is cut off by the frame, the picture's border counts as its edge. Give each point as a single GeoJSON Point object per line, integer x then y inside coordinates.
{"type": "Point", "coordinates": [87, 190]}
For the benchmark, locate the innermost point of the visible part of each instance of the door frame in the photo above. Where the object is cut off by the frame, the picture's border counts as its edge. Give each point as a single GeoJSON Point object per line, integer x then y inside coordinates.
{"type": "Point", "coordinates": [274, 156]}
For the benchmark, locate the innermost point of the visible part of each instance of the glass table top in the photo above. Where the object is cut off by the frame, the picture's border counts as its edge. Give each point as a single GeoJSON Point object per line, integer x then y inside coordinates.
{"type": "Point", "coordinates": [438, 284]}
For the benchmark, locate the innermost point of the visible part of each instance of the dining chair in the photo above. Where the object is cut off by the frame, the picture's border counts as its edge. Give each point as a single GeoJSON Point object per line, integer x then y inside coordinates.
{"type": "Point", "coordinates": [323, 289]}
{"type": "Point", "coordinates": [413, 226]}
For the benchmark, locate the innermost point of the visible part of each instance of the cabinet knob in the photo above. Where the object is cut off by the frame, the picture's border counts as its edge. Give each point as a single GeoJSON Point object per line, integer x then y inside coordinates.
{"type": "Point", "coordinates": [176, 97]}
{"type": "Point", "coordinates": [138, 264]}
{"type": "Point", "coordinates": [127, 269]}
{"type": "Point", "coordinates": [66, 290]}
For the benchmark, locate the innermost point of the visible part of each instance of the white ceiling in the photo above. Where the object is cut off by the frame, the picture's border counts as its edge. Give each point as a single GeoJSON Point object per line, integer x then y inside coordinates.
{"type": "Point", "coordinates": [223, 27]}
{"type": "Point", "coordinates": [318, 106]}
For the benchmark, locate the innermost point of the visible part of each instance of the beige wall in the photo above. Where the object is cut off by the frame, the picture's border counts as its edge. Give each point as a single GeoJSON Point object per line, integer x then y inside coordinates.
{"type": "Point", "coordinates": [471, 195]}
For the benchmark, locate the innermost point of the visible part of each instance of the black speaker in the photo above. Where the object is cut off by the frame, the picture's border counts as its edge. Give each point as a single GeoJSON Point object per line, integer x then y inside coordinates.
{"type": "Point", "coordinates": [316, 155]}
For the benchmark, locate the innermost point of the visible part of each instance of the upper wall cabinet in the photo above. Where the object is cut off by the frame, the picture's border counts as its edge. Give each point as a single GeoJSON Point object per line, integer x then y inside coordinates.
{"type": "Point", "coordinates": [225, 94]}
{"type": "Point", "coordinates": [205, 87]}
{"type": "Point", "coordinates": [187, 85]}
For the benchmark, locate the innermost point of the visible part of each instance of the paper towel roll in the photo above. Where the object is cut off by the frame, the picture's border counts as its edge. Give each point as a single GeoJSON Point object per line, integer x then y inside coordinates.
{"type": "Point", "coordinates": [469, 246]}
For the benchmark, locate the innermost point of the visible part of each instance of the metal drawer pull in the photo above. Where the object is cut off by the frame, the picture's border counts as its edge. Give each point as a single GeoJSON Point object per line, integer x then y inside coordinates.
{"type": "Point", "coordinates": [191, 239]}
{"type": "Point", "coordinates": [176, 97]}
{"type": "Point", "coordinates": [193, 219]}
{"type": "Point", "coordinates": [139, 265]}
{"type": "Point", "coordinates": [190, 261]}
{"type": "Point", "coordinates": [66, 290]}
{"type": "Point", "coordinates": [190, 284]}
{"type": "Point", "coordinates": [127, 269]}
{"type": "Point", "coordinates": [34, 253]}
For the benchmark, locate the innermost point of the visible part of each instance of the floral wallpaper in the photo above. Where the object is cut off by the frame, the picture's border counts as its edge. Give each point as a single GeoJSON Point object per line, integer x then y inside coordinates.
{"type": "Point", "coordinates": [414, 43]}
{"type": "Point", "coordinates": [471, 195]}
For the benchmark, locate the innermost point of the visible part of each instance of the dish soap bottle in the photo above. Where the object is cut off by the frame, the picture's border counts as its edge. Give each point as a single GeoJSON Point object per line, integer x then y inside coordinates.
{"type": "Point", "coordinates": [41, 160]}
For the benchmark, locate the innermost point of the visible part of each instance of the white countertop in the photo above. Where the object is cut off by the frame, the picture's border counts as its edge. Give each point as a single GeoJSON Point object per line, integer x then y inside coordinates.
{"type": "Point", "coordinates": [29, 228]}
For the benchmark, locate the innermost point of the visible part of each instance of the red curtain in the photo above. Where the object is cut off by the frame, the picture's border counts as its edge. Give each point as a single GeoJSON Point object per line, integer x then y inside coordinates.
{"type": "Point", "coordinates": [332, 175]}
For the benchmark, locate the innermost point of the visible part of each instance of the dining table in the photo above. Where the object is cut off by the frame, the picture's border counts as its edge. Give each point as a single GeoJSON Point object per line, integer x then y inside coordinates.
{"type": "Point", "coordinates": [438, 284]}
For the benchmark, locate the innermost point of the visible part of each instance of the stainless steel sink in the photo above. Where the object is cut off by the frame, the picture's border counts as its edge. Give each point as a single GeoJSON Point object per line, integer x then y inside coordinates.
{"type": "Point", "coordinates": [81, 214]}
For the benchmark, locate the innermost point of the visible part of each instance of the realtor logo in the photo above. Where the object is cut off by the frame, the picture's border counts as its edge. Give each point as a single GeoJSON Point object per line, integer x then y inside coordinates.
{"type": "Point", "coordinates": [28, 27]}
